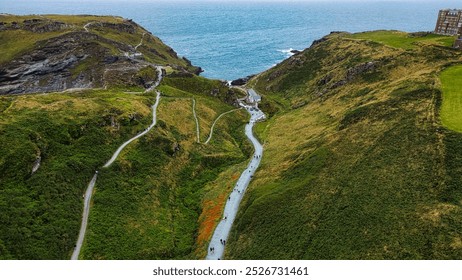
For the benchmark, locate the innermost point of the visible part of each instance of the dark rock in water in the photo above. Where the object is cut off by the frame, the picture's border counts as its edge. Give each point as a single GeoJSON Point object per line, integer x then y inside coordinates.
{"type": "Point", "coordinates": [295, 51]}
{"type": "Point", "coordinates": [198, 70]}
{"type": "Point", "coordinates": [241, 81]}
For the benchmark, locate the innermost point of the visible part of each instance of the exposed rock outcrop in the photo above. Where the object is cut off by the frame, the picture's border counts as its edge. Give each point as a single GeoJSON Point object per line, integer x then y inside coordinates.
{"type": "Point", "coordinates": [36, 25]}
{"type": "Point", "coordinates": [42, 26]}
{"type": "Point", "coordinates": [241, 81]}
{"type": "Point", "coordinates": [357, 70]}
{"type": "Point", "coordinates": [458, 43]}
{"type": "Point", "coordinates": [73, 60]}
{"type": "Point", "coordinates": [84, 57]}
{"type": "Point", "coordinates": [36, 165]}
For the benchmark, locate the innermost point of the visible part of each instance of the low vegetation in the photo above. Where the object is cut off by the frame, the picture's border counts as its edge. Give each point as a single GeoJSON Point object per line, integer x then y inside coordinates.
{"type": "Point", "coordinates": [72, 134]}
{"type": "Point", "coordinates": [148, 204]}
{"type": "Point", "coordinates": [356, 163]}
{"type": "Point", "coordinates": [451, 109]}
{"type": "Point", "coordinates": [403, 40]}
{"type": "Point", "coordinates": [363, 152]}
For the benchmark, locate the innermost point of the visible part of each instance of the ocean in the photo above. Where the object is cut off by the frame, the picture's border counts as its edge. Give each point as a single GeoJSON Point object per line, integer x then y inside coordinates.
{"type": "Point", "coordinates": [230, 40]}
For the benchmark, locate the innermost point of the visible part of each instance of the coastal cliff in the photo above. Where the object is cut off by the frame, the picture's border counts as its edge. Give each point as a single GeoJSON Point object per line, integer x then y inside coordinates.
{"type": "Point", "coordinates": [359, 161]}
{"type": "Point", "coordinates": [56, 53]}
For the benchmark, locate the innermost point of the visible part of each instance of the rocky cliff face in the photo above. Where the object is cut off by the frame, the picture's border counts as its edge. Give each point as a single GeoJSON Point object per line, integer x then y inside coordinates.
{"type": "Point", "coordinates": [36, 25]}
{"type": "Point", "coordinates": [93, 54]}
{"type": "Point", "coordinates": [54, 66]}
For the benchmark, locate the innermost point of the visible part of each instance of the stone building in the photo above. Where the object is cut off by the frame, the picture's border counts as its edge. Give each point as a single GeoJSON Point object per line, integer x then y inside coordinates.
{"type": "Point", "coordinates": [449, 22]}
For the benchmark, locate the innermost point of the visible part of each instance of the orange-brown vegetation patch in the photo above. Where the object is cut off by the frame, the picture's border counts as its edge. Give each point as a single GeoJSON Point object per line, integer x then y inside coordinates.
{"type": "Point", "coordinates": [211, 213]}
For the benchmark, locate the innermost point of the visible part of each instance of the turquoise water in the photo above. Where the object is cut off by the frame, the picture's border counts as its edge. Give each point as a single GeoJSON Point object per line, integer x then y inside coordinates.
{"type": "Point", "coordinates": [232, 40]}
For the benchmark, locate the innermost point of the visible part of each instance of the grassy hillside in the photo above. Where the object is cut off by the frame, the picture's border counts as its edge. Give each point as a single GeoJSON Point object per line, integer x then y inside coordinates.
{"type": "Point", "coordinates": [147, 205]}
{"type": "Point", "coordinates": [356, 162]}
{"type": "Point", "coordinates": [451, 110]}
{"type": "Point", "coordinates": [151, 202]}
{"type": "Point", "coordinates": [73, 135]}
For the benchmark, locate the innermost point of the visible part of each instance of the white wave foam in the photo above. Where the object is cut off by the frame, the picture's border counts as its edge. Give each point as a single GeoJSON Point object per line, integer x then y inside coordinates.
{"type": "Point", "coordinates": [287, 52]}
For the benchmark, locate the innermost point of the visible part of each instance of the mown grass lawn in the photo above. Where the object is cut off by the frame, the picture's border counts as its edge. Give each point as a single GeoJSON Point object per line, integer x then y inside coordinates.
{"type": "Point", "coordinates": [403, 40]}
{"type": "Point", "coordinates": [451, 110]}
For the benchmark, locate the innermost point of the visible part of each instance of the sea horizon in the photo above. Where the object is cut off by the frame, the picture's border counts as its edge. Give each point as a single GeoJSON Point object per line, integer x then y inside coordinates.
{"type": "Point", "coordinates": [234, 39]}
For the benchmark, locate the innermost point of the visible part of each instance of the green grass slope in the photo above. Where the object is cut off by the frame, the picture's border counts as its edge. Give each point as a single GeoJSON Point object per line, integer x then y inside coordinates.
{"type": "Point", "coordinates": [73, 135]}
{"type": "Point", "coordinates": [147, 205]}
{"type": "Point", "coordinates": [451, 109]}
{"type": "Point", "coordinates": [151, 203]}
{"type": "Point", "coordinates": [356, 162]}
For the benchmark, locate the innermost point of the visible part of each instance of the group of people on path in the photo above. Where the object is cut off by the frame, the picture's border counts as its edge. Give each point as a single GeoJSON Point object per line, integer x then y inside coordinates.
{"type": "Point", "coordinates": [240, 186]}
{"type": "Point", "coordinates": [222, 241]}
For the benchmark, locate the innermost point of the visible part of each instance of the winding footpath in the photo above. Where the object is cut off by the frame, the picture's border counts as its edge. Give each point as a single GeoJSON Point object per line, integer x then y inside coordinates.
{"type": "Point", "coordinates": [216, 120]}
{"type": "Point", "coordinates": [218, 242]}
{"type": "Point", "coordinates": [198, 134]}
{"type": "Point", "coordinates": [91, 185]}
{"type": "Point", "coordinates": [141, 42]}
{"type": "Point", "coordinates": [86, 212]}
{"type": "Point", "coordinates": [154, 120]}
{"type": "Point", "coordinates": [196, 119]}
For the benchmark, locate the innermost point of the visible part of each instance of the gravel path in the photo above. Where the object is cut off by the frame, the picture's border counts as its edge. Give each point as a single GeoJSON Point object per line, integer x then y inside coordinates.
{"type": "Point", "coordinates": [154, 117]}
{"type": "Point", "coordinates": [216, 120]}
{"type": "Point", "coordinates": [91, 185]}
{"type": "Point", "coordinates": [218, 242]}
{"type": "Point", "coordinates": [86, 212]}
{"type": "Point", "coordinates": [198, 134]}
{"type": "Point", "coordinates": [141, 42]}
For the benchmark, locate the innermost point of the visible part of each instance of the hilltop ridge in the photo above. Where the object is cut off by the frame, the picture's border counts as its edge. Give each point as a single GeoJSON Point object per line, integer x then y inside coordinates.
{"type": "Point", "coordinates": [55, 53]}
